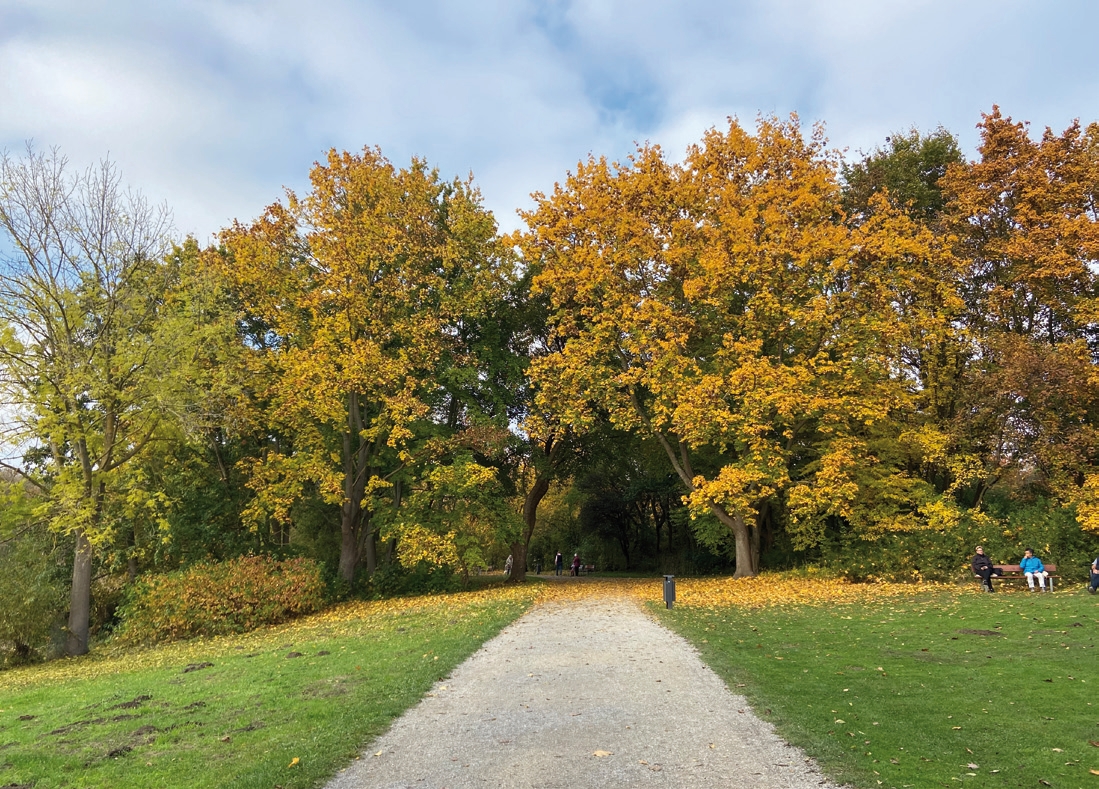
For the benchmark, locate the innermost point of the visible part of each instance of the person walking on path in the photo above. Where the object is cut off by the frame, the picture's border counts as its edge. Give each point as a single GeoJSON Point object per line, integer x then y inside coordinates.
{"type": "Point", "coordinates": [576, 564]}
{"type": "Point", "coordinates": [1032, 568]}
{"type": "Point", "coordinates": [508, 565]}
{"type": "Point", "coordinates": [982, 566]}
{"type": "Point", "coordinates": [558, 564]}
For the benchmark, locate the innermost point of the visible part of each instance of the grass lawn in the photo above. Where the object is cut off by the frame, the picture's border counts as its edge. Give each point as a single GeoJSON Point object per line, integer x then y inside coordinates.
{"type": "Point", "coordinates": [920, 690]}
{"type": "Point", "coordinates": [283, 707]}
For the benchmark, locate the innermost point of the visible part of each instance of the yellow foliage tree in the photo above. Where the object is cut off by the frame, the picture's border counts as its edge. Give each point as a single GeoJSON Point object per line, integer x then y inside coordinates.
{"type": "Point", "coordinates": [724, 307]}
{"type": "Point", "coordinates": [363, 285]}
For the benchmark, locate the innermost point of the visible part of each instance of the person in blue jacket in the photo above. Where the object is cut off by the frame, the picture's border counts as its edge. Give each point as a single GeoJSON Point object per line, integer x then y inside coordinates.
{"type": "Point", "coordinates": [1094, 576]}
{"type": "Point", "coordinates": [1032, 568]}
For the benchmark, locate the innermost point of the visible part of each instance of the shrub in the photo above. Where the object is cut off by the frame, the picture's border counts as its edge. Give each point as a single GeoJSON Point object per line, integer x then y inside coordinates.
{"type": "Point", "coordinates": [394, 579]}
{"type": "Point", "coordinates": [33, 590]}
{"type": "Point", "coordinates": [219, 599]}
{"type": "Point", "coordinates": [944, 554]}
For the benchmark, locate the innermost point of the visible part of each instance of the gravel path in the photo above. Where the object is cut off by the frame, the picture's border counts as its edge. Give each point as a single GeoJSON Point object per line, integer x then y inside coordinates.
{"type": "Point", "coordinates": [591, 693]}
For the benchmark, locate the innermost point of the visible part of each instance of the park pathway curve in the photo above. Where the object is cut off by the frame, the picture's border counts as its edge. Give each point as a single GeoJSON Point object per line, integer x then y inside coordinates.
{"type": "Point", "coordinates": [585, 693]}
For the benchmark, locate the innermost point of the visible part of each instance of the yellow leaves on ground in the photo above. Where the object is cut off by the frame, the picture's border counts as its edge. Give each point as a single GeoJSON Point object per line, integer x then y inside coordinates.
{"type": "Point", "coordinates": [343, 619]}
{"type": "Point", "coordinates": [775, 589]}
{"type": "Point", "coordinates": [765, 590]}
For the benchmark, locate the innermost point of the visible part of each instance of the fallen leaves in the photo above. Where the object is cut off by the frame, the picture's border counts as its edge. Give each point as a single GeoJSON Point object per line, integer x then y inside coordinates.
{"type": "Point", "coordinates": [601, 754]}
{"type": "Point", "coordinates": [767, 589]}
{"type": "Point", "coordinates": [779, 589]}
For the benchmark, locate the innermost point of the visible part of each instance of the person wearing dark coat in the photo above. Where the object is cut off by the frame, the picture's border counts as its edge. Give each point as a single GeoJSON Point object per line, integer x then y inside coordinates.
{"type": "Point", "coordinates": [982, 566]}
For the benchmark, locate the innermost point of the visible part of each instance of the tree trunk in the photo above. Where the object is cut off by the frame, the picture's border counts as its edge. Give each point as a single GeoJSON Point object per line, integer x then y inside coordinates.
{"type": "Point", "coordinates": [370, 549]}
{"type": "Point", "coordinates": [349, 543]}
{"type": "Point", "coordinates": [533, 498]}
{"type": "Point", "coordinates": [681, 462]}
{"type": "Point", "coordinates": [744, 565]}
{"type": "Point", "coordinates": [518, 562]}
{"type": "Point", "coordinates": [762, 517]}
{"type": "Point", "coordinates": [80, 605]}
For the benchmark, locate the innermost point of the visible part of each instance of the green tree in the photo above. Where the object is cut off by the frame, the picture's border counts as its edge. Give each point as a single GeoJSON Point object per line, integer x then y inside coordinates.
{"type": "Point", "coordinates": [908, 170]}
{"type": "Point", "coordinates": [87, 362]}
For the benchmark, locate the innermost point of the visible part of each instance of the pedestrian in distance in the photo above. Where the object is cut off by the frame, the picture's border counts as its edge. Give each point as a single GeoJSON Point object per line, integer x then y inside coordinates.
{"type": "Point", "coordinates": [1032, 568]}
{"type": "Point", "coordinates": [1094, 576]}
{"type": "Point", "coordinates": [558, 564]}
{"type": "Point", "coordinates": [576, 564]}
{"type": "Point", "coordinates": [508, 565]}
{"type": "Point", "coordinates": [982, 566]}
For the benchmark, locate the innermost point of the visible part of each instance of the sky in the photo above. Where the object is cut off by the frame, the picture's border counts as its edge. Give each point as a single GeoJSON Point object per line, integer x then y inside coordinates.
{"type": "Point", "coordinates": [215, 106]}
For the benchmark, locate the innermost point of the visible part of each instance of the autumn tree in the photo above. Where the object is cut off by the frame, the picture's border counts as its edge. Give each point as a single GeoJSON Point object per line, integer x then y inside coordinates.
{"type": "Point", "coordinates": [1025, 223]}
{"type": "Point", "coordinates": [724, 308]}
{"type": "Point", "coordinates": [364, 285]}
{"type": "Point", "coordinates": [87, 359]}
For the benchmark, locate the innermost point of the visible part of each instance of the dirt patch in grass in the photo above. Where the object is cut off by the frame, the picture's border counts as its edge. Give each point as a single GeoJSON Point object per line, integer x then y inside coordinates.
{"type": "Point", "coordinates": [131, 705]}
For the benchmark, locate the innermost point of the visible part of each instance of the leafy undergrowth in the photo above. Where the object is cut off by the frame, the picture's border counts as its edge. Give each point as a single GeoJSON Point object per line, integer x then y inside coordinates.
{"type": "Point", "coordinates": [911, 686]}
{"type": "Point", "coordinates": [284, 706]}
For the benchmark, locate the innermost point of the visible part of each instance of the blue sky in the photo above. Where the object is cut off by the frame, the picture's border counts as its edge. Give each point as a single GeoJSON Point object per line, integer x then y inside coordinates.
{"type": "Point", "coordinates": [213, 106]}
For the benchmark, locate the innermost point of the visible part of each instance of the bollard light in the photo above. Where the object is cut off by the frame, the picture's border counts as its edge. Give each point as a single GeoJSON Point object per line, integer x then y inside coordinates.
{"type": "Point", "coordinates": [669, 590]}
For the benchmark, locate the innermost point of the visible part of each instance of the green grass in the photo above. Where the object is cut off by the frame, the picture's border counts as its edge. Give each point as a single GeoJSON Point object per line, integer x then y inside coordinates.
{"type": "Point", "coordinates": [312, 694]}
{"type": "Point", "coordinates": [940, 688]}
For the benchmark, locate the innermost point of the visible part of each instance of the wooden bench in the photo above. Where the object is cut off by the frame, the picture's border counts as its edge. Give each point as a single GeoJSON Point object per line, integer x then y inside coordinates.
{"type": "Point", "coordinates": [1012, 572]}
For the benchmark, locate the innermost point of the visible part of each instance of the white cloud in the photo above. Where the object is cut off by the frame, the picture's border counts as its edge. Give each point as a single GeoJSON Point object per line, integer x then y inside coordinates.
{"type": "Point", "coordinates": [215, 105]}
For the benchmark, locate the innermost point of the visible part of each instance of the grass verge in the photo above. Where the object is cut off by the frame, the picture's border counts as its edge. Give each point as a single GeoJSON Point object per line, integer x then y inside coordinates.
{"type": "Point", "coordinates": [921, 690]}
{"type": "Point", "coordinates": [282, 707]}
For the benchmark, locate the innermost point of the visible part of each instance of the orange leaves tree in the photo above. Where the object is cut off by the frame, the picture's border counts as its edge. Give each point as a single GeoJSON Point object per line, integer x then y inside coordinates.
{"type": "Point", "coordinates": [363, 287]}
{"type": "Point", "coordinates": [1024, 221]}
{"type": "Point", "coordinates": [723, 307]}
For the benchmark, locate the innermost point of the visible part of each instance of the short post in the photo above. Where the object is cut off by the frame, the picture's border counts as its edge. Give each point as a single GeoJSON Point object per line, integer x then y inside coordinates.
{"type": "Point", "coordinates": [669, 590]}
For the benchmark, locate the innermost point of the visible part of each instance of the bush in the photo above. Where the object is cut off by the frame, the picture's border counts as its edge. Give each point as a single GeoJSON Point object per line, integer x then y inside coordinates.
{"type": "Point", "coordinates": [394, 579]}
{"type": "Point", "coordinates": [219, 599]}
{"type": "Point", "coordinates": [33, 587]}
{"type": "Point", "coordinates": [1005, 531]}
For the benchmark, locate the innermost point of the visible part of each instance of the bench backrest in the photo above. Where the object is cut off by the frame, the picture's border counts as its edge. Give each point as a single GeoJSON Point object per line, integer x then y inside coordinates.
{"type": "Point", "coordinates": [1014, 568]}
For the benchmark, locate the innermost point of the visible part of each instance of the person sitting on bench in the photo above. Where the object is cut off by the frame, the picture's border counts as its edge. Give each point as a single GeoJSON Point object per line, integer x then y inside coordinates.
{"type": "Point", "coordinates": [1032, 568]}
{"type": "Point", "coordinates": [982, 566]}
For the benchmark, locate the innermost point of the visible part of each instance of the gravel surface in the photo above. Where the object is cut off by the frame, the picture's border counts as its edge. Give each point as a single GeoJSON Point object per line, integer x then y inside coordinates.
{"type": "Point", "coordinates": [590, 693]}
